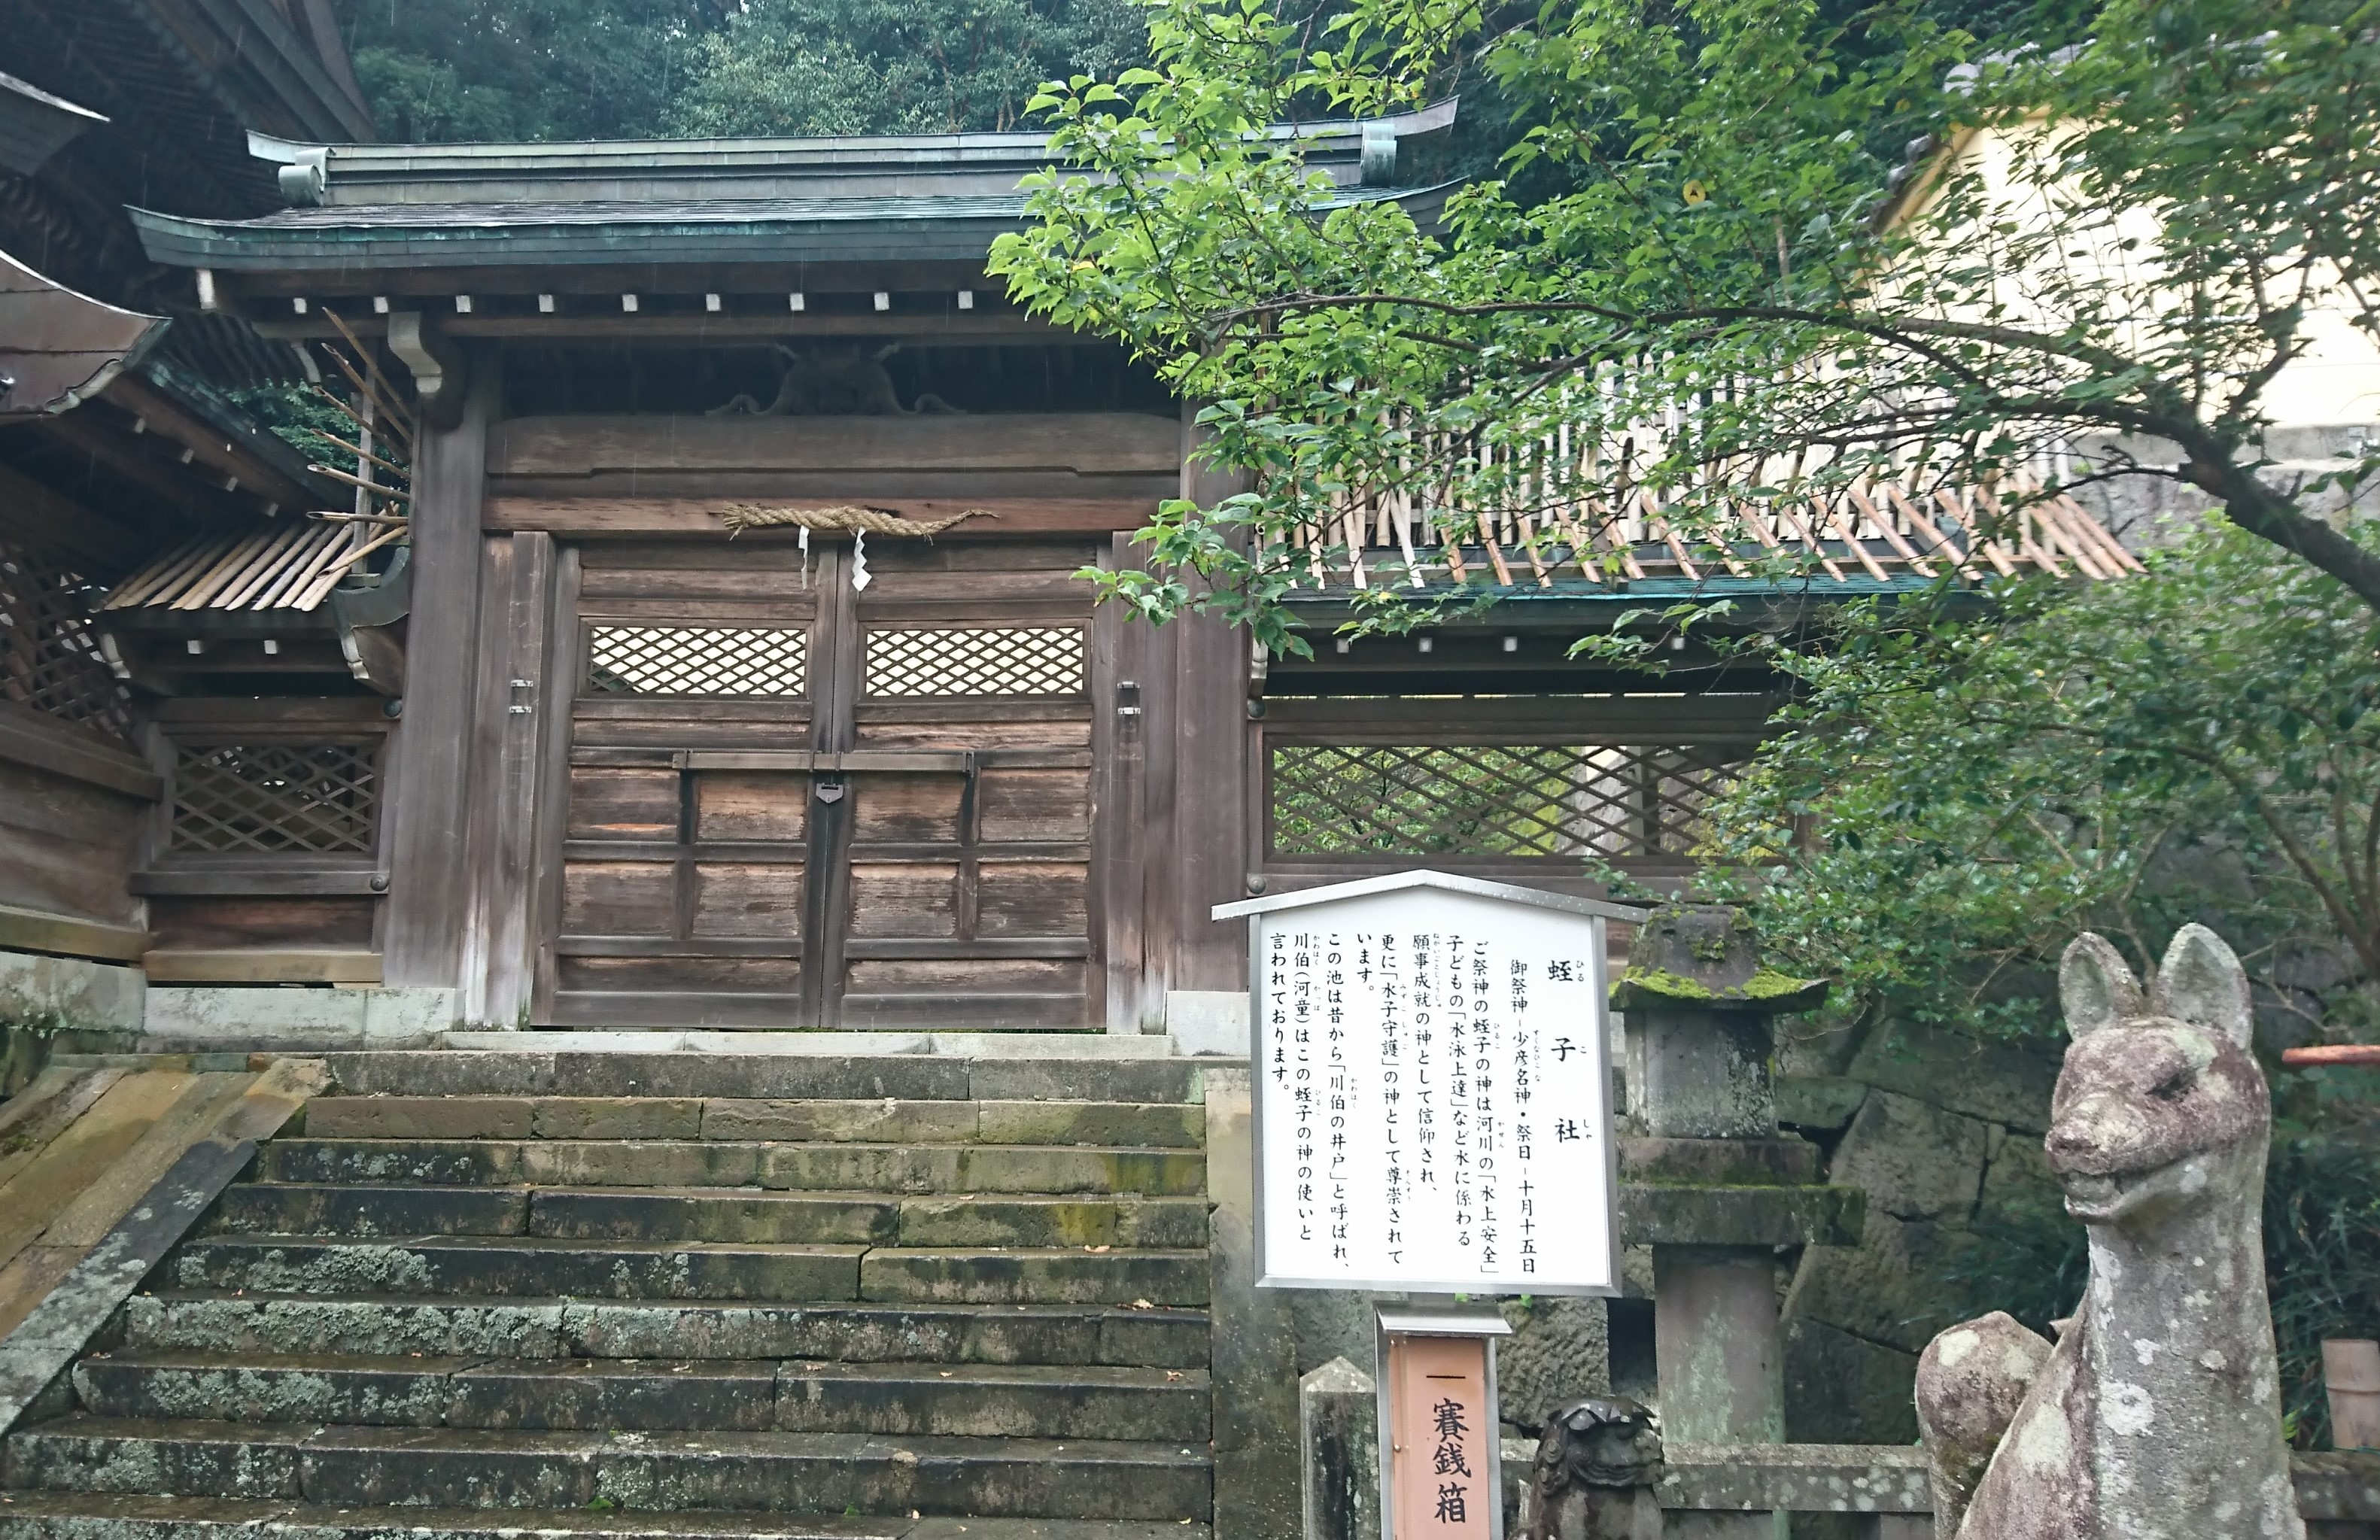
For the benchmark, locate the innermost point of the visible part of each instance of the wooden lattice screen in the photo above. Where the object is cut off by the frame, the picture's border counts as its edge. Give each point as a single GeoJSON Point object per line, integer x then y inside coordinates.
{"type": "Point", "coordinates": [275, 798]}
{"type": "Point", "coordinates": [974, 660]}
{"type": "Point", "coordinates": [1499, 801]}
{"type": "Point", "coordinates": [696, 660]}
{"type": "Point", "coordinates": [49, 659]}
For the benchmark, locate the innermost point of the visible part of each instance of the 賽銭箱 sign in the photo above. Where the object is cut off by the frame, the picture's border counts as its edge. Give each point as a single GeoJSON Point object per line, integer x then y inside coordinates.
{"type": "Point", "coordinates": [1433, 1088]}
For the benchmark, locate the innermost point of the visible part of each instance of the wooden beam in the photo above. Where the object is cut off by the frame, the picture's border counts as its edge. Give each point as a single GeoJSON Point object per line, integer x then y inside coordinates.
{"type": "Point", "coordinates": [609, 280]}
{"type": "Point", "coordinates": [28, 738]}
{"type": "Point", "coordinates": [38, 930]}
{"type": "Point", "coordinates": [124, 454]}
{"type": "Point", "coordinates": [957, 327]}
{"type": "Point", "coordinates": [260, 881]}
{"type": "Point", "coordinates": [261, 965]}
{"type": "Point", "coordinates": [699, 516]}
{"type": "Point", "coordinates": [208, 444]}
{"type": "Point", "coordinates": [32, 513]}
{"type": "Point", "coordinates": [1085, 443]}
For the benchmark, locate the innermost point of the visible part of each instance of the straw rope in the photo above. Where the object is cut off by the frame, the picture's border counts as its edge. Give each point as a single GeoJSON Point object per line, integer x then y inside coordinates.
{"type": "Point", "coordinates": [845, 520]}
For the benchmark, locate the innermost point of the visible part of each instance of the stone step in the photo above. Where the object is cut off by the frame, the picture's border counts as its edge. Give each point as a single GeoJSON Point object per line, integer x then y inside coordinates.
{"type": "Point", "coordinates": [481, 1264]}
{"type": "Point", "coordinates": [985, 1401]}
{"type": "Point", "coordinates": [886, 1121]}
{"type": "Point", "coordinates": [1021, 1276]}
{"type": "Point", "coordinates": [703, 1163]}
{"type": "Point", "coordinates": [346, 1465]}
{"type": "Point", "coordinates": [821, 1077]}
{"type": "Point", "coordinates": [208, 1321]}
{"type": "Point", "coordinates": [96, 1516]}
{"type": "Point", "coordinates": [373, 1211]}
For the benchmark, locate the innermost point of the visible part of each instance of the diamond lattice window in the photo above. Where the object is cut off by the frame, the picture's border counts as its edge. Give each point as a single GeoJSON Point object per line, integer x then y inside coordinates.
{"type": "Point", "coordinates": [1507, 800]}
{"type": "Point", "coordinates": [1019, 660]}
{"type": "Point", "coordinates": [275, 798]}
{"type": "Point", "coordinates": [685, 659]}
{"type": "Point", "coordinates": [49, 659]}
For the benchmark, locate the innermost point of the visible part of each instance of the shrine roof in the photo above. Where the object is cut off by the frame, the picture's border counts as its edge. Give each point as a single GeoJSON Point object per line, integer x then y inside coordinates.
{"type": "Point", "coordinates": [847, 198]}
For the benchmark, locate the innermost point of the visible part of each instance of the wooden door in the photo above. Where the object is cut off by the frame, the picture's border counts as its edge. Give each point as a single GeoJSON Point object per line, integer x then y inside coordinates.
{"type": "Point", "coordinates": [792, 801]}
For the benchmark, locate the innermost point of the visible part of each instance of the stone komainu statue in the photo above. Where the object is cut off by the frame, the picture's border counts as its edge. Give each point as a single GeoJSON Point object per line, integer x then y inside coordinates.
{"type": "Point", "coordinates": [2157, 1415]}
{"type": "Point", "coordinates": [1596, 1464]}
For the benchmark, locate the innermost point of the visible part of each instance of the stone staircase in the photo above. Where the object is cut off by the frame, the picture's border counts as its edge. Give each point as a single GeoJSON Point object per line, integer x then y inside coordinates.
{"type": "Point", "coordinates": [485, 1293]}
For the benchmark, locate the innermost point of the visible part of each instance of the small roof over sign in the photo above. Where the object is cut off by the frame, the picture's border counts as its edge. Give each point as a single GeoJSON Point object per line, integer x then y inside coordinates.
{"type": "Point", "coordinates": [1476, 887]}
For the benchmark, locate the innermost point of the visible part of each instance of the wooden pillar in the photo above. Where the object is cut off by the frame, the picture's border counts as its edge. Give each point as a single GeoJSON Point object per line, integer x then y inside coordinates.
{"type": "Point", "coordinates": [1210, 795]}
{"type": "Point", "coordinates": [516, 697]}
{"type": "Point", "coordinates": [429, 779]}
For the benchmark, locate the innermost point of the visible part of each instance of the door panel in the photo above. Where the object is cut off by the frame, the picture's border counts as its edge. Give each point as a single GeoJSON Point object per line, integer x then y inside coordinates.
{"type": "Point", "coordinates": [903, 833]}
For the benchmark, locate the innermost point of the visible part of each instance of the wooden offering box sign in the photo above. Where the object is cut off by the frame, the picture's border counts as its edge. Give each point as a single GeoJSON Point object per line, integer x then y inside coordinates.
{"type": "Point", "coordinates": [1433, 1109]}
{"type": "Point", "coordinates": [1438, 1423]}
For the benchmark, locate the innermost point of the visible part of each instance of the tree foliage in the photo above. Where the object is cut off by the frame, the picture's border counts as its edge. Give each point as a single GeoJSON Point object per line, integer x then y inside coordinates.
{"type": "Point", "coordinates": [1715, 294]}
{"type": "Point", "coordinates": [1951, 797]}
{"type": "Point", "coordinates": [550, 69]}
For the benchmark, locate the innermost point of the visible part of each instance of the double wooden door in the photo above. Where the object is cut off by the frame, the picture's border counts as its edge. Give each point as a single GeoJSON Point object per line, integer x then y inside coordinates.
{"type": "Point", "coordinates": [793, 800]}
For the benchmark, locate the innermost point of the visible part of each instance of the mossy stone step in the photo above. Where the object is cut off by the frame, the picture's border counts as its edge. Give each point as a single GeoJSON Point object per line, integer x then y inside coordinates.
{"type": "Point", "coordinates": [211, 1321]}
{"type": "Point", "coordinates": [91, 1516]}
{"type": "Point", "coordinates": [740, 1119]}
{"type": "Point", "coordinates": [490, 1469]}
{"type": "Point", "coordinates": [476, 1264]}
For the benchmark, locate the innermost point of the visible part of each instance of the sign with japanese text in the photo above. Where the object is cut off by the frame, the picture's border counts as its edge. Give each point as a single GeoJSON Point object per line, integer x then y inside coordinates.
{"type": "Point", "coordinates": [1442, 1476]}
{"type": "Point", "coordinates": [1433, 1090]}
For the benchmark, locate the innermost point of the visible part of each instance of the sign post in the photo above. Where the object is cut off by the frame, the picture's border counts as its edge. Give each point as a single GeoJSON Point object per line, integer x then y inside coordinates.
{"type": "Point", "coordinates": [1432, 1118]}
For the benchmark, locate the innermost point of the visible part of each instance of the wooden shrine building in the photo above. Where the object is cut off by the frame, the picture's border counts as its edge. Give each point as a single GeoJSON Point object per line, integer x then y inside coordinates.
{"type": "Point", "coordinates": [695, 639]}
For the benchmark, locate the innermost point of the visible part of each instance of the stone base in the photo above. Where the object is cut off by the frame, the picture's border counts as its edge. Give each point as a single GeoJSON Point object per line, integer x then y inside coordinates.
{"type": "Point", "coordinates": [181, 1018]}
{"type": "Point", "coordinates": [68, 994]}
{"type": "Point", "coordinates": [1207, 1020]}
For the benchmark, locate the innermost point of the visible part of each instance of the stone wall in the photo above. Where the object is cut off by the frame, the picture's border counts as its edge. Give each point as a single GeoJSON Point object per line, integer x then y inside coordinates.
{"type": "Point", "coordinates": [1941, 1133]}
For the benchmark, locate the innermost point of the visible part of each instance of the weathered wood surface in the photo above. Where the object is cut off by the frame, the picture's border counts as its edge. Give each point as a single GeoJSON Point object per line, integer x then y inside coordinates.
{"type": "Point", "coordinates": [30, 738]}
{"type": "Point", "coordinates": [698, 516]}
{"type": "Point", "coordinates": [425, 825]}
{"type": "Point", "coordinates": [1085, 443]}
{"type": "Point", "coordinates": [66, 848]}
{"type": "Point", "coordinates": [23, 929]}
{"type": "Point", "coordinates": [232, 922]}
{"type": "Point", "coordinates": [263, 965]}
{"type": "Point", "coordinates": [946, 881]}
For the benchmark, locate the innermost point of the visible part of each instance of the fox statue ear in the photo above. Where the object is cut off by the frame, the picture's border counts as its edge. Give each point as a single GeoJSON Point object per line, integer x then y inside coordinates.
{"type": "Point", "coordinates": [2097, 986]}
{"type": "Point", "coordinates": [2201, 982]}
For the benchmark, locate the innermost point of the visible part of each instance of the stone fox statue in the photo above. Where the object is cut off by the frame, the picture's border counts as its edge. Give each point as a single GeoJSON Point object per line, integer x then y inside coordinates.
{"type": "Point", "coordinates": [2157, 1414]}
{"type": "Point", "coordinates": [835, 379]}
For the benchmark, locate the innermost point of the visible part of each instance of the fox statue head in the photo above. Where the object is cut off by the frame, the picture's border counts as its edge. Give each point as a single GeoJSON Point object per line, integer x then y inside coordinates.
{"type": "Point", "coordinates": [2159, 1096]}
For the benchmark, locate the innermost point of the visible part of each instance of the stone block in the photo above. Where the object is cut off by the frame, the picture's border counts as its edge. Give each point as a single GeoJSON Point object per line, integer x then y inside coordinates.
{"type": "Point", "coordinates": [1339, 1433]}
{"type": "Point", "coordinates": [1209, 1021]}
{"type": "Point", "coordinates": [963, 1275]}
{"type": "Point", "coordinates": [1845, 1389]}
{"type": "Point", "coordinates": [72, 993]}
{"type": "Point", "coordinates": [1739, 1216]}
{"type": "Point", "coordinates": [1881, 1289]}
{"type": "Point", "coordinates": [881, 1122]}
{"type": "Point", "coordinates": [362, 1213]}
{"type": "Point", "coordinates": [1787, 1162]}
{"type": "Point", "coordinates": [272, 1016]}
{"type": "Point", "coordinates": [1912, 1160]}
{"type": "Point", "coordinates": [418, 1118]}
{"type": "Point", "coordinates": [617, 1118]}
{"type": "Point", "coordinates": [1820, 1103]}
{"type": "Point", "coordinates": [641, 1163]}
{"type": "Point", "coordinates": [1164, 1125]}
{"type": "Point", "coordinates": [1559, 1350]}
{"type": "Point", "coordinates": [2000, 1083]}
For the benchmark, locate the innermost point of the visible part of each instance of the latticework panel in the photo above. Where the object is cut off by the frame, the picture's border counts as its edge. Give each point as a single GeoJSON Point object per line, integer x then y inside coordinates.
{"type": "Point", "coordinates": [49, 659]}
{"type": "Point", "coordinates": [275, 798]}
{"type": "Point", "coordinates": [974, 660]}
{"type": "Point", "coordinates": [1521, 800]}
{"type": "Point", "coordinates": [687, 660]}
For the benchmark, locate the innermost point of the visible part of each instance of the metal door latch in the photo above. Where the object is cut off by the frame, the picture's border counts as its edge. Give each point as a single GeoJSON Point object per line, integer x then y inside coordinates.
{"type": "Point", "coordinates": [830, 788]}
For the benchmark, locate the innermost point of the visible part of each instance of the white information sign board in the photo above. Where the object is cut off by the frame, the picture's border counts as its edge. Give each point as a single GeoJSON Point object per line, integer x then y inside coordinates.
{"type": "Point", "coordinates": [1432, 1088]}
